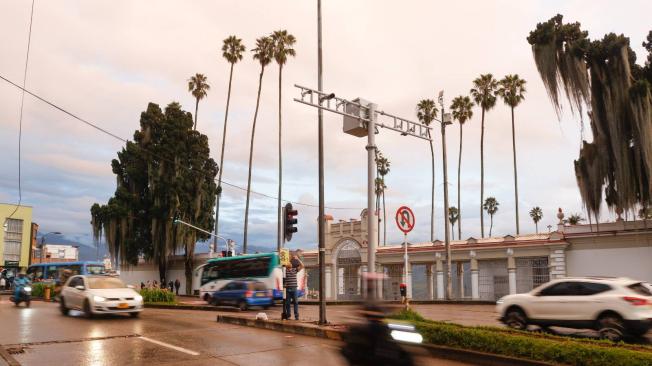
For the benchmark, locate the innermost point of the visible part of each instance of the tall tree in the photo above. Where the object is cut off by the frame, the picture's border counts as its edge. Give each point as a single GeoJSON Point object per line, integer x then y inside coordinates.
{"type": "Point", "coordinates": [264, 52]}
{"type": "Point", "coordinates": [453, 217]}
{"type": "Point", "coordinates": [491, 206]}
{"type": "Point", "coordinates": [165, 173]}
{"type": "Point", "coordinates": [198, 87]}
{"type": "Point", "coordinates": [512, 90]}
{"type": "Point", "coordinates": [462, 108]}
{"type": "Point", "coordinates": [232, 50]}
{"type": "Point", "coordinates": [382, 168]}
{"type": "Point", "coordinates": [536, 214]}
{"type": "Point", "coordinates": [484, 95]}
{"type": "Point", "coordinates": [283, 42]}
{"type": "Point", "coordinates": [426, 113]}
{"type": "Point", "coordinates": [602, 76]}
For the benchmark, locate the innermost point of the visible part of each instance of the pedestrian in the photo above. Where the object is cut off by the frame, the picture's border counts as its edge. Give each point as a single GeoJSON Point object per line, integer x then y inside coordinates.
{"type": "Point", "coordinates": [155, 284]}
{"type": "Point", "coordinates": [142, 285]}
{"type": "Point", "coordinates": [177, 285]}
{"type": "Point", "coordinates": [149, 284]}
{"type": "Point", "coordinates": [171, 286]}
{"type": "Point", "coordinates": [3, 283]}
{"type": "Point", "coordinates": [291, 295]}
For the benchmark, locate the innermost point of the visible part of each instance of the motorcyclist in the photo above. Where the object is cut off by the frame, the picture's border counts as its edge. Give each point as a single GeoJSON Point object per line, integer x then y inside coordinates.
{"type": "Point", "coordinates": [21, 281]}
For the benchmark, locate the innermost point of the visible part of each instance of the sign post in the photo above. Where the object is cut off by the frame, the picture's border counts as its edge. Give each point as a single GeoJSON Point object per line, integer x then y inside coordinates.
{"type": "Point", "coordinates": [405, 221]}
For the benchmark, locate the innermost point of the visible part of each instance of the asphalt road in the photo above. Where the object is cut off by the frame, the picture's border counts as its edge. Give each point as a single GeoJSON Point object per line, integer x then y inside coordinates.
{"type": "Point", "coordinates": [159, 336]}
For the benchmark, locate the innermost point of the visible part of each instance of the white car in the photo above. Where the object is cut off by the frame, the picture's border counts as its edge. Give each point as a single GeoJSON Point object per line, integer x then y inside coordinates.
{"type": "Point", "coordinates": [613, 306]}
{"type": "Point", "coordinates": [99, 295]}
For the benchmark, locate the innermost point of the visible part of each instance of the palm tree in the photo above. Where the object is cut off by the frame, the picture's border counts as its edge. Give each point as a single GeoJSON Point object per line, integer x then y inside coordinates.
{"type": "Point", "coordinates": [512, 89]}
{"type": "Point", "coordinates": [575, 219]}
{"type": "Point", "coordinates": [491, 205]}
{"type": "Point", "coordinates": [263, 52]}
{"type": "Point", "coordinates": [453, 217]}
{"type": "Point", "coordinates": [198, 87]}
{"type": "Point", "coordinates": [536, 214]}
{"type": "Point", "coordinates": [382, 167]}
{"type": "Point", "coordinates": [484, 95]}
{"type": "Point", "coordinates": [426, 113]}
{"type": "Point", "coordinates": [232, 50]}
{"type": "Point", "coordinates": [462, 108]}
{"type": "Point", "coordinates": [283, 42]}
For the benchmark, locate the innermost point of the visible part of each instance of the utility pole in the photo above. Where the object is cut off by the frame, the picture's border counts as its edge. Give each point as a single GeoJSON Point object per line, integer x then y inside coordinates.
{"type": "Point", "coordinates": [320, 144]}
{"type": "Point", "coordinates": [361, 119]}
{"type": "Point", "coordinates": [446, 120]}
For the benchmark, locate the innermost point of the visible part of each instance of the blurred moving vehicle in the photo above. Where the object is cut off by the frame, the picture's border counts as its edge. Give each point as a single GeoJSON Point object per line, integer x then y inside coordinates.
{"type": "Point", "coordinates": [22, 294]}
{"type": "Point", "coordinates": [41, 272]}
{"type": "Point", "coordinates": [100, 295]}
{"type": "Point", "coordinates": [266, 268]}
{"type": "Point", "coordinates": [613, 306]}
{"type": "Point", "coordinates": [243, 294]}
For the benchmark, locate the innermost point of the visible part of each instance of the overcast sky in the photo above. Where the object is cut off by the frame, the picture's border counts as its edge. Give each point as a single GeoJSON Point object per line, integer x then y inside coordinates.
{"type": "Point", "coordinates": [105, 60]}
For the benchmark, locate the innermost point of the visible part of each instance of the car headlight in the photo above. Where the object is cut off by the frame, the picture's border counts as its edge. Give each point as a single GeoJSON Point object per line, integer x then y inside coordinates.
{"type": "Point", "coordinates": [138, 298]}
{"type": "Point", "coordinates": [99, 299]}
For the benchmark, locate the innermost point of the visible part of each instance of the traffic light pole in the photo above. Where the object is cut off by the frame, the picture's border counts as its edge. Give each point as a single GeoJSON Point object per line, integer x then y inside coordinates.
{"type": "Point", "coordinates": [322, 222]}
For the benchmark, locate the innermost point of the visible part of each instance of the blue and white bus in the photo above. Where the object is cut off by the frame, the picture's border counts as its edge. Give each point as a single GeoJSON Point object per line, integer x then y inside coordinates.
{"type": "Point", "coordinates": [265, 268]}
{"type": "Point", "coordinates": [52, 271]}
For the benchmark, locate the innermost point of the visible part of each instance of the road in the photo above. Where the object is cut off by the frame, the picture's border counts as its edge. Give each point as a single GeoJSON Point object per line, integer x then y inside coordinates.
{"type": "Point", "coordinates": [159, 336]}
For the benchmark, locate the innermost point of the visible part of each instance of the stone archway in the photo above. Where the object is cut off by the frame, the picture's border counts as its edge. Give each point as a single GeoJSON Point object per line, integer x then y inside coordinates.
{"type": "Point", "coordinates": [348, 270]}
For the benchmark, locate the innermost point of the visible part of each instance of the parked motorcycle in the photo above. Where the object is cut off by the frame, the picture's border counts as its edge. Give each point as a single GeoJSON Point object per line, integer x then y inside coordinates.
{"type": "Point", "coordinates": [24, 295]}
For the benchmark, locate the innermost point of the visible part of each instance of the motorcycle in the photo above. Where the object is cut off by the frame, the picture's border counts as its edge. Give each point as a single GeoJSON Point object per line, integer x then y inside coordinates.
{"type": "Point", "coordinates": [24, 295]}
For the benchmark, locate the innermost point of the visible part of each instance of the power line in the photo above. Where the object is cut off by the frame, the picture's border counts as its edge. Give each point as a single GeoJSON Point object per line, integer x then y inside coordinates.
{"type": "Point", "coordinates": [20, 118]}
{"type": "Point", "coordinates": [121, 139]}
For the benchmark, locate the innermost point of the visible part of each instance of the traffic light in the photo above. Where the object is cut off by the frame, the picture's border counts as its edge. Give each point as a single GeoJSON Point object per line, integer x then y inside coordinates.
{"type": "Point", "coordinates": [289, 220]}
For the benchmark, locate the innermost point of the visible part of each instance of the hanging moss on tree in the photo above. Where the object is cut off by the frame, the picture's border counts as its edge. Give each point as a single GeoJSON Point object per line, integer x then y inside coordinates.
{"type": "Point", "coordinates": [165, 173]}
{"type": "Point", "coordinates": [602, 77]}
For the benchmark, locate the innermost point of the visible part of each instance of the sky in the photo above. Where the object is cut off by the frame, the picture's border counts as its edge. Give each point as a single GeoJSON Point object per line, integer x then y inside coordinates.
{"type": "Point", "coordinates": [105, 60]}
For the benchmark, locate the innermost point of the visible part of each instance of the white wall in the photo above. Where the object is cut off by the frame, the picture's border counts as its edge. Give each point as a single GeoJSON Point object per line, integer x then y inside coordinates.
{"type": "Point", "coordinates": [633, 262]}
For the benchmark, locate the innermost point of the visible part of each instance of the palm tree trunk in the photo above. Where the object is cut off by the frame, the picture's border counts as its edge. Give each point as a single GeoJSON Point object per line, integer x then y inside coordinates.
{"type": "Point", "coordinates": [459, 205]}
{"type": "Point", "coordinates": [378, 209]}
{"type": "Point", "coordinates": [280, 163]}
{"type": "Point", "coordinates": [491, 217]}
{"type": "Point", "coordinates": [482, 175]}
{"type": "Point", "coordinates": [196, 108]}
{"type": "Point", "coordinates": [515, 174]}
{"type": "Point", "coordinates": [251, 155]}
{"type": "Point", "coordinates": [384, 221]}
{"type": "Point", "coordinates": [536, 227]}
{"type": "Point", "coordinates": [221, 167]}
{"type": "Point", "coordinates": [432, 193]}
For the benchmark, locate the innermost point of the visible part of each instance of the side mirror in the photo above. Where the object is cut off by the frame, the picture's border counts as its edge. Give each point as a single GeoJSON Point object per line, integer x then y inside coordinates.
{"type": "Point", "coordinates": [80, 287]}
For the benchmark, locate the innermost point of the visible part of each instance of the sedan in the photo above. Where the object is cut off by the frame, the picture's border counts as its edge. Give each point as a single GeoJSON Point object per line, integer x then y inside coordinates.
{"type": "Point", "coordinates": [100, 295]}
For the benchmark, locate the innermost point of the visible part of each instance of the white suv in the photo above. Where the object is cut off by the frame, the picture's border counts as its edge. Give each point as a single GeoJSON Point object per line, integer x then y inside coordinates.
{"type": "Point", "coordinates": [613, 306]}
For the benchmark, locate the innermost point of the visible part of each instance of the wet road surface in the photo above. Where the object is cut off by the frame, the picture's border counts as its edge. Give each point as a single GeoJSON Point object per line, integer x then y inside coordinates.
{"type": "Point", "coordinates": [159, 336]}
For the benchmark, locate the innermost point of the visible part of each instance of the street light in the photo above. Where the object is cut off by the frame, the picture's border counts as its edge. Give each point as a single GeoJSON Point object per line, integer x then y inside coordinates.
{"type": "Point", "coordinates": [43, 242]}
{"type": "Point", "coordinates": [226, 242]}
{"type": "Point", "coordinates": [446, 119]}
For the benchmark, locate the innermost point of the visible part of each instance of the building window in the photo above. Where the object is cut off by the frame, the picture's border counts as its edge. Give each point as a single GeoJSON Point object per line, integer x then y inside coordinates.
{"type": "Point", "coordinates": [13, 240]}
{"type": "Point", "coordinates": [62, 253]}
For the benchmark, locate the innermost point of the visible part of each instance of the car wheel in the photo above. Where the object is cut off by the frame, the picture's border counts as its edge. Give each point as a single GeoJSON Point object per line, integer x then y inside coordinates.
{"type": "Point", "coordinates": [134, 314]}
{"type": "Point", "coordinates": [207, 298]}
{"type": "Point", "coordinates": [87, 309]}
{"type": "Point", "coordinates": [242, 305]}
{"type": "Point", "coordinates": [62, 307]}
{"type": "Point", "coordinates": [611, 327]}
{"type": "Point", "coordinates": [515, 319]}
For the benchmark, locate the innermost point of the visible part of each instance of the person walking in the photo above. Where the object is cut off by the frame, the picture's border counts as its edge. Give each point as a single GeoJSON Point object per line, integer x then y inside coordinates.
{"type": "Point", "coordinates": [177, 285]}
{"type": "Point", "coordinates": [142, 285]}
{"type": "Point", "coordinates": [3, 283]}
{"type": "Point", "coordinates": [291, 271]}
{"type": "Point", "coordinates": [171, 286]}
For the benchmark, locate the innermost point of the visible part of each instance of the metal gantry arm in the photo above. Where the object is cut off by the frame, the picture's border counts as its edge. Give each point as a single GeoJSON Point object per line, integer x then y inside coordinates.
{"type": "Point", "coordinates": [347, 108]}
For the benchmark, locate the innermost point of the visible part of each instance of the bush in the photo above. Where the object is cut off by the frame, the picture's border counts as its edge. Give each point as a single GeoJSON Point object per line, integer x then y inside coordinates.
{"type": "Point", "coordinates": [157, 295]}
{"type": "Point", "coordinates": [527, 345]}
{"type": "Point", "coordinates": [38, 289]}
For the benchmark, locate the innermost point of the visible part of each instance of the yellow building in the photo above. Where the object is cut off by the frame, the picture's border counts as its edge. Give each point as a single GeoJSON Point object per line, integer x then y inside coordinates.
{"type": "Point", "coordinates": [15, 236]}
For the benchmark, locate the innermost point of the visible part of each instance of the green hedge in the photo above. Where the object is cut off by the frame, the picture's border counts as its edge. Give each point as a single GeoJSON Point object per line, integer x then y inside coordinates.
{"type": "Point", "coordinates": [38, 289]}
{"type": "Point", "coordinates": [156, 295]}
{"type": "Point", "coordinates": [531, 346]}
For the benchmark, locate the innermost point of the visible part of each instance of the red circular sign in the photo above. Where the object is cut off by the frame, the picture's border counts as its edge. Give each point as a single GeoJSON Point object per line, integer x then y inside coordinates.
{"type": "Point", "coordinates": [405, 219]}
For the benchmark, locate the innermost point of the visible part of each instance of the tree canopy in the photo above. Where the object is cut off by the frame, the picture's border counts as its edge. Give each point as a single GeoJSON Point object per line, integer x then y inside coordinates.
{"type": "Point", "coordinates": [602, 77]}
{"type": "Point", "coordinates": [163, 174]}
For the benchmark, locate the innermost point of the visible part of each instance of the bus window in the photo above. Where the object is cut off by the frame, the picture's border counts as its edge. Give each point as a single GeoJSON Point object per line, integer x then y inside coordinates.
{"type": "Point", "coordinates": [35, 274]}
{"type": "Point", "coordinates": [75, 269]}
{"type": "Point", "coordinates": [53, 272]}
{"type": "Point", "coordinates": [95, 269]}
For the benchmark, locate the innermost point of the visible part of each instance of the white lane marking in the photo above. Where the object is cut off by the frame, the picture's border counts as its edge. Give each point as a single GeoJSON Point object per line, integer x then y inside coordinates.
{"type": "Point", "coordinates": [180, 349]}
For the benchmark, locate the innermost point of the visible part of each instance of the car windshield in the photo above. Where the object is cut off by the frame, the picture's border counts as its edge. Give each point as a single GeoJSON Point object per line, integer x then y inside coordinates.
{"type": "Point", "coordinates": [640, 289]}
{"type": "Point", "coordinates": [104, 283]}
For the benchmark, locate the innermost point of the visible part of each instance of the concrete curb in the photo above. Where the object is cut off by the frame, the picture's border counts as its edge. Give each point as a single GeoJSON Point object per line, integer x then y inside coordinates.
{"type": "Point", "coordinates": [8, 358]}
{"type": "Point", "coordinates": [187, 307]}
{"type": "Point", "coordinates": [455, 354]}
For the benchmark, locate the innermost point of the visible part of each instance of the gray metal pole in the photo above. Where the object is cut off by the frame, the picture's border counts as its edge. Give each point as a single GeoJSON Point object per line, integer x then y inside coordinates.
{"type": "Point", "coordinates": [371, 209]}
{"type": "Point", "coordinates": [449, 284]}
{"type": "Point", "coordinates": [322, 222]}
